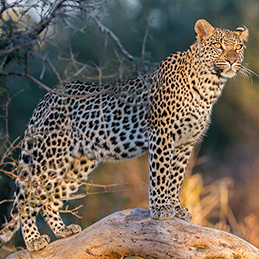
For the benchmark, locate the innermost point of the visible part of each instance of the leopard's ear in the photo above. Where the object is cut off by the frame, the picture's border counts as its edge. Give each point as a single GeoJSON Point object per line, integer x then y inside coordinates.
{"type": "Point", "coordinates": [203, 30]}
{"type": "Point", "coordinates": [242, 32]}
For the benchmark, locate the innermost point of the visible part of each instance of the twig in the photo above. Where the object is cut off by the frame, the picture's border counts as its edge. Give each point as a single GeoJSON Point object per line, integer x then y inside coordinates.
{"type": "Point", "coordinates": [3, 201]}
{"type": "Point", "coordinates": [105, 30]}
{"type": "Point", "coordinates": [56, 92]}
{"type": "Point", "coordinates": [145, 39]}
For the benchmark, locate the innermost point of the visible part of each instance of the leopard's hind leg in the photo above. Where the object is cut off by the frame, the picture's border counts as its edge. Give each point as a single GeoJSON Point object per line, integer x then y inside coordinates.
{"type": "Point", "coordinates": [33, 240]}
{"type": "Point", "coordinates": [75, 176]}
{"type": "Point", "coordinates": [51, 215]}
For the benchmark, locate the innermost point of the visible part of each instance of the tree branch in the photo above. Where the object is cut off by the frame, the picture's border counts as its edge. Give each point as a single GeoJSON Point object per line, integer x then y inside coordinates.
{"type": "Point", "coordinates": [33, 79]}
{"type": "Point", "coordinates": [107, 31]}
{"type": "Point", "coordinates": [133, 233]}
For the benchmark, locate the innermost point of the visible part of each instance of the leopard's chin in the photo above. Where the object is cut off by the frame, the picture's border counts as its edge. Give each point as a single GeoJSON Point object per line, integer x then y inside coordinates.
{"type": "Point", "coordinates": [229, 73]}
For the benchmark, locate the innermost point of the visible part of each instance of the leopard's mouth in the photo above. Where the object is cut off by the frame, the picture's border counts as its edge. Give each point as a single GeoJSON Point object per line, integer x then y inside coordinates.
{"type": "Point", "coordinates": [226, 70]}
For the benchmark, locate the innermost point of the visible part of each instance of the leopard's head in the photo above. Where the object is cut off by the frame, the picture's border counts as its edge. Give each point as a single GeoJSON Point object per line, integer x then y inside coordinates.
{"type": "Point", "coordinates": [221, 50]}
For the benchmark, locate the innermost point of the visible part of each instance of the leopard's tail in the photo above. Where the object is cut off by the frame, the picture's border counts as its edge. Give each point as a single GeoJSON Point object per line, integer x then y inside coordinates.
{"type": "Point", "coordinates": [11, 226]}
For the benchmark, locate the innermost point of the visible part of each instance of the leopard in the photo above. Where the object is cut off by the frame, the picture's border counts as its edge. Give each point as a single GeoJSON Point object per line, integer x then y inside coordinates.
{"type": "Point", "coordinates": [164, 113]}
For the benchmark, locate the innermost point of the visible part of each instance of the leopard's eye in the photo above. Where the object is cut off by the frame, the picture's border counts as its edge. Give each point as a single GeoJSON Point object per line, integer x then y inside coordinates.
{"type": "Point", "coordinates": [239, 46]}
{"type": "Point", "coordinates": [217, 45]}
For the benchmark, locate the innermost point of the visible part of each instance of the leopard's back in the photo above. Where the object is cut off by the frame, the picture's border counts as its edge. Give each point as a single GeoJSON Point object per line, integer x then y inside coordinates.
{"type": "Point", "coordinates": [109, 124]}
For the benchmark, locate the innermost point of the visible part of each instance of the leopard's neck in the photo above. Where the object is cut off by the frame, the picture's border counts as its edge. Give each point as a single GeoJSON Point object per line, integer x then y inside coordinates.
{"type": "Point", "coordinates": [203, 80]}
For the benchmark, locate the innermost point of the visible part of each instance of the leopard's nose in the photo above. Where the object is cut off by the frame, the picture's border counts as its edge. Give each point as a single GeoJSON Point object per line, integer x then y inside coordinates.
{"type": "Point", "coordinates": [231, 61]}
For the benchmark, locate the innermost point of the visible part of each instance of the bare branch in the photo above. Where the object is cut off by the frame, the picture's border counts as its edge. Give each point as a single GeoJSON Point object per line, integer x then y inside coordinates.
{"type": "Point", "coordinates": [3, 201]}
{"type": "Point", "coordinates": [56, 92]}
{"type": "Point", "coordinates": [107, 31]}
{"type": "Point", "coordinates": [44, 23]}
{"type": "Point", "coordinates": [46, 60]}
{"type": "Point", "coordinates": [145, 39]}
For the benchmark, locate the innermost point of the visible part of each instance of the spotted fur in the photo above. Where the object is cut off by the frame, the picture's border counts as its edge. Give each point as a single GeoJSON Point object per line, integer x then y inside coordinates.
{"type": "Point", "coordinates": [166, 113]}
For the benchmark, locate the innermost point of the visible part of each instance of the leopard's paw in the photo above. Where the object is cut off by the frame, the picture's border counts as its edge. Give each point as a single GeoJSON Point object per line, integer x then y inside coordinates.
{"type": "Point", "coordinates": [38, 243]}
{"type": "Point", "coordinates": [162, 212]}
{"type": "Point", "coordinates": [69, 231]}
{"type": "Point", "coordinates": [183, 213]}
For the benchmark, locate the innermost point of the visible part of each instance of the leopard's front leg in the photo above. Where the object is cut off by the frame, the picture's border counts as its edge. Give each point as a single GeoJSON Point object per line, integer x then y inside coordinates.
{"type": "Point", "coordinates": [167, 168]}
{"type": "Point", "coordinates": [160, 150]}
{"type": "Point", "coordinates": [179, 161]}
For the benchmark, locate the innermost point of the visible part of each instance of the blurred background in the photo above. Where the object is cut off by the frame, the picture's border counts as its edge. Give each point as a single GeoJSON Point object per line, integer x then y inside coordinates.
{"type": "Point", "coordinates": [221, 186]}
